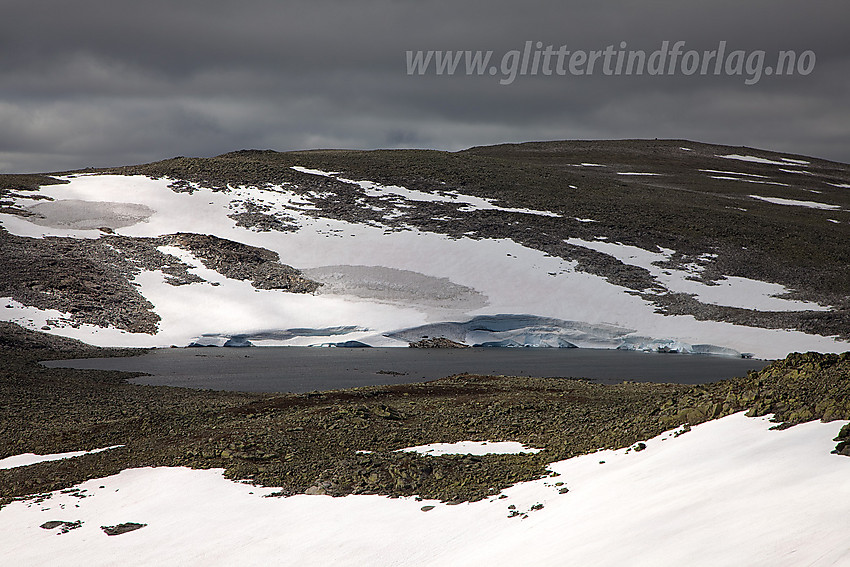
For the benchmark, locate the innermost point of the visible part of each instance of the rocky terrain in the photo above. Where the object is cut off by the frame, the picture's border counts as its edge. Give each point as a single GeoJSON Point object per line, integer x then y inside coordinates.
{"type": "Point", "coordinates": [553, 203]}
{"type": "Point", "coordinates": [693, 199]}
{"type": "Point", "coordinates": [345, 441]}
{"type": "Point", "coordinates": [439, 342]}
{"type": "Point", "coordinates": [690, 204]}
{"type": "Point", "coordinates": [91, 279]}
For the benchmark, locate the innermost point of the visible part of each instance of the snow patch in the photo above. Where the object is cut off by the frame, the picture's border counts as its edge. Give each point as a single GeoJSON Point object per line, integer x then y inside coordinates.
{"type": "Point", "coordinates": [747, 180]}
{"type": "Point", "coordinates": [60, 323]}
{"type": "Point", "coordinates": [315, 171]}
{"type": "Point", "coordinates": [754, 159]}
{"type": "Point", "coordinates": [402, 287]}
{"type": "Point", "coordinates": [472, 448]}
{"type": "Point", "coordinates": [27, 459]}
{"type": "Point", "coordinates": [796, 203]}
{"type": "Point", "coordinates": [732, 173]}
{"type": "Point", "coordinates": [470, 202]}
{"type": "Point", "coordinates": [732, 291]}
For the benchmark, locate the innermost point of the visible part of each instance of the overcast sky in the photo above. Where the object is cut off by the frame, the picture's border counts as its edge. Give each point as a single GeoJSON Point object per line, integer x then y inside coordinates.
{"type": "Point", "coordinates": [98, 83]}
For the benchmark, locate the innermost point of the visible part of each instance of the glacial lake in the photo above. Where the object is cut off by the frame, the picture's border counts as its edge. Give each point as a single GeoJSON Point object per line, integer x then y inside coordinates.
{"type": "Point", "coordinates": [306, 369]}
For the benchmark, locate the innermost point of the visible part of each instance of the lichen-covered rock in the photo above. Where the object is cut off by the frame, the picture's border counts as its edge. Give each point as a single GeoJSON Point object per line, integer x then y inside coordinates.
{"type": "Point", "coordinates": [800, 388]}
{"type": "Point", "coordinates": [843, 438]}
{"type": "Point", "coordinates": [243, 262]}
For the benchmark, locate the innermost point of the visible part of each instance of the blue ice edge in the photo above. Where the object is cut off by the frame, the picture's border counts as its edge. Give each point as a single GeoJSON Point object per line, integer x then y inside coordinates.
{"type": "Point", "coordinates": [244, 339]}
{"type": "Point", "coordinates": [494, 331]}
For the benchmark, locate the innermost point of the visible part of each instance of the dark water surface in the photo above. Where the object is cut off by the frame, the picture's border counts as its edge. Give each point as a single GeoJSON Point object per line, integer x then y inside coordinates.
{"type": "Point", "coordinates": [305, 369]}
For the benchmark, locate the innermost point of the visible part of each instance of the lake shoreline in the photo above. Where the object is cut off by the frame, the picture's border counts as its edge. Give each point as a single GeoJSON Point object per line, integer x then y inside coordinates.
{"type": "Point", "coordinates": [306, 369]}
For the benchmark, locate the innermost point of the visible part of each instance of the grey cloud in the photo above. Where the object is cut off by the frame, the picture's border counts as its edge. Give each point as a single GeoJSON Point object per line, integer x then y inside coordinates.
{"type": "Point", "coordinates": [104, 83]}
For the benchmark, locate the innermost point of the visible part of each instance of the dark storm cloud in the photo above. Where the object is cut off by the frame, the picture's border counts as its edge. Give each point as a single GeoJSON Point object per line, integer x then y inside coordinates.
{"type": "Point", "coordinates": [101, 83]}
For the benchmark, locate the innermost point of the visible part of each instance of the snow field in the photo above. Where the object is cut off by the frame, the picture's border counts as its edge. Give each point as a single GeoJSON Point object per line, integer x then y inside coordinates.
{"type": "Point", "coordinates": [513, 279]}
{"type": "Point", "coordinates": [728, 492]}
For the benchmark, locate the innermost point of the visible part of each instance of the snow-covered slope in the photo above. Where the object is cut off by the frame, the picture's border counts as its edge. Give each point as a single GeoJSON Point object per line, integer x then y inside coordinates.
{"type": "Point", "coordinates": [727, 492]}
{"type": "Point", "coordinates": [382, 274]}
